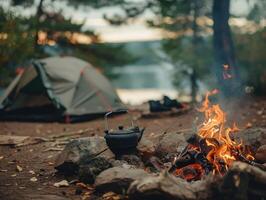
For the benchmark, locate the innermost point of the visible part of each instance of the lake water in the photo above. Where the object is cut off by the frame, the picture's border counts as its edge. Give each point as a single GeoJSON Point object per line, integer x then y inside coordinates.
{"type": "Point", "coordinates": [139, 83]}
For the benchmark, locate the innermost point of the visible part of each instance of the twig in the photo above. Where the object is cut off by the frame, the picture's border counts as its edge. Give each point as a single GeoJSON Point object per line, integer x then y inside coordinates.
{"type": "Point", "coordinates": [72, 133]}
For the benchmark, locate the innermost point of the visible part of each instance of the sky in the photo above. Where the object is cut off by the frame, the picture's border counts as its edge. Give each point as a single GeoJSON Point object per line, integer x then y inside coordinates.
{"type": "Point", "coordinates": [137, 31]}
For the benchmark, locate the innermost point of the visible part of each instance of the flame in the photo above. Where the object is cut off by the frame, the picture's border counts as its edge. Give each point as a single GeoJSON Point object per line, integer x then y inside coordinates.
{"type": "Point", "coordinates": [226, 74]}
{"type": "Point", "coordinates": [218, 136]}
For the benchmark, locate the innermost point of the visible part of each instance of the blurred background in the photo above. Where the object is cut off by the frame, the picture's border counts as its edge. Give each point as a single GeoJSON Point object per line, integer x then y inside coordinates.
{"type": "Point", "coordinates": [147, 48]}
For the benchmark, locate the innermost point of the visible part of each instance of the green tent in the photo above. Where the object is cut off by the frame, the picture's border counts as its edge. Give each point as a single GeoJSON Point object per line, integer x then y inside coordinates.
{"type": "Point", "coordinates": [59, 88]}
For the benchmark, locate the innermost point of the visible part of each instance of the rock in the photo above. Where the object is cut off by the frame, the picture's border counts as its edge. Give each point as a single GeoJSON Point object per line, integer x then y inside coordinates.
{"type": "Point", "coordinates": [165, 186]}
{"type": "Point", "coordinates": [118, 179]}
{"type": "Point", "coordinates": [132, 160]}
{"type": "Point", "coordinates": [171, 143]}
{"type": "Point", "coordinates": [63, 183]}
{"type": "Point", "coordinates": [146, 148]}
{"type": "Point", "coordinates": [88, 171]}
{"type": "Point", "coordinates": [254, 137]}
{"type": "Point", "coordinates": [79, 151]}
{"type": "Point", "coordinates": [261, 154]}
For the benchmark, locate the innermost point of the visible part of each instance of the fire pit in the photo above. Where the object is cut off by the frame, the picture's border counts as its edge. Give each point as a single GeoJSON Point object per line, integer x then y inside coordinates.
{"type": "Point", "coordinates": [211, 162]}
{"type": "Point", "coordinates": [213, 149]}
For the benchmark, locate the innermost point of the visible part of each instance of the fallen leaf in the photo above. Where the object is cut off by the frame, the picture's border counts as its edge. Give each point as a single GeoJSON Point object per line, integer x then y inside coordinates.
{"type": "Point", "coordinates": [86, 196]}
{"type": "Point", "coordinates": [1, 157]}
{"type": "Point", "coordinates": [33, 179]}
{"type": "Point", "coordinates": [84, 186]}
{"type": "Point", "coordinates": [50, 156]}
{"type": "Point", "coordinates": [32, 172]}
{"type": "Point", "coordinates": [14, 175]}
{"type": "Point", "coordinates": [19, 169]}
{"type": "Point", "coordinates": [63, 183]}
{"type": "Point", "coordinates": [259, 112]}
{"type": "Point", "coordinates": [111, 196]}
{"type": "Point", "coordinates": [248, 125]}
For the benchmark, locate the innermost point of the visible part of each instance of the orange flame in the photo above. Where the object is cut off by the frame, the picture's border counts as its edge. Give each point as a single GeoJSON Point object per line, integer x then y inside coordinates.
{"type": "Point", "coordinates": [221, 153]}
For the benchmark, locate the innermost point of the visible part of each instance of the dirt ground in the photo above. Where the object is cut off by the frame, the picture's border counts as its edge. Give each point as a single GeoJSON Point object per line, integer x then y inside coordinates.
{"type": "Point", "coordinates": [38, 161]}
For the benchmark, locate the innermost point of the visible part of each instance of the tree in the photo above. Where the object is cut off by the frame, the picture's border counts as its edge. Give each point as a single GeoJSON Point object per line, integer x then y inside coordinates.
{"type": "Point", "coordinates": [26, 37]}
{"type": "Point", "coordinates": [224, 52]}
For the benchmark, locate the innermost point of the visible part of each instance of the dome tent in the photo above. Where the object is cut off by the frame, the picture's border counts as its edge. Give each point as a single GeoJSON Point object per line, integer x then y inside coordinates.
{"type": "Point", "coordinates": [59, 89]}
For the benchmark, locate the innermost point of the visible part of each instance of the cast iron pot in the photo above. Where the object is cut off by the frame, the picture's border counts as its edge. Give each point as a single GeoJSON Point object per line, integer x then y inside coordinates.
{"type": "Point", "coordinates": [122, 141]}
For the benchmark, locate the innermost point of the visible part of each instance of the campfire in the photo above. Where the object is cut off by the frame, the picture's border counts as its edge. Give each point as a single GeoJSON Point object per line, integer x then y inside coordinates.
{"type": "Point", "coordinates": [213, 149]}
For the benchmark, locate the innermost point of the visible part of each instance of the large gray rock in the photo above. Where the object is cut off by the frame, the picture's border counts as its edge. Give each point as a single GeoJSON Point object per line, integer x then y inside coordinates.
{"type": "Point", "coordinates": [146, 148]}
{"type": "Point", "coordinates": [165, 186]}
{"type": "Point", "coordinates": [89, 171]}
{"type": "Point", "coordinates": [82, 152]}
{"type": "Point", "coordinates": [118, 179]}
{"type": "Point", "coordinates": [171, 143]}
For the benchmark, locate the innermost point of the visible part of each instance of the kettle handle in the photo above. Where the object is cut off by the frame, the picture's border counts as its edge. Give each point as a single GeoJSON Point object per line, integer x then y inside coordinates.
{"type": "Point", "coordinates": [117, 111]}
{"type": "Point", "coordinates": [141, 134]}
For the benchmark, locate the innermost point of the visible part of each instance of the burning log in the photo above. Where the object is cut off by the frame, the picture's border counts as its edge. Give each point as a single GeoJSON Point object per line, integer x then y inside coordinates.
{"type": "Point", "coordinates": [192, 156]}
{"type": "Point", "coordinates": [242, 158]}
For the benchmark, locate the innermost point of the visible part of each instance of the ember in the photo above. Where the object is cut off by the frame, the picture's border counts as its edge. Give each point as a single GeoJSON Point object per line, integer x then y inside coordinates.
{"type": "Point", "coordinates": [212, 149]}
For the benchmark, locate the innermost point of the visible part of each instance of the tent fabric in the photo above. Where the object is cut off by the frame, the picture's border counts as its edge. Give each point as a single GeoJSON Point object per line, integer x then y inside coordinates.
{"type": "Point", "coordinates": [71, 86]}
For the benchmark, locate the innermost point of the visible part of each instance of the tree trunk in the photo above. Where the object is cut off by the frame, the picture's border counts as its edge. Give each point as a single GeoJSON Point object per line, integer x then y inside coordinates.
{"type": "Point", "coordinates": [224, 48]}
{"type": "Point", "coordinates": [194, 86]}
{"type": "Point", "coordinates": [195, 29]}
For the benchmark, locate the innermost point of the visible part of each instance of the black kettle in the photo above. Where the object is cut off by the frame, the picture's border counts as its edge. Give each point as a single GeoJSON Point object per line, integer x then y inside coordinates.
{"type": "Point", "coordinates": [122, 141]}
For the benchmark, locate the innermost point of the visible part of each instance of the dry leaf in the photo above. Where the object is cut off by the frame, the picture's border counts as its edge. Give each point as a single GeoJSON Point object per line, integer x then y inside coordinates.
{"type": "Point", "coordinates": [84, 186]}
{"type": "Point", "coordinates": [50, 156]}
{"type": "Point", "coordinates": [86, 196]}
{"type": "Point", "coordinates": [111, 196]}
{"type": "Point", "coordinates": [63, 183]}
{"type": "Point", "coordinates": [1, 157]}
{"type": "Point", "coordinates": [33, 179]}
{"type": "Point", "coordinates": [248, 125]}
{"type": "Point", "coordinates": [32, 172]}
{"type": "Point", "coordinates": [19, 169]}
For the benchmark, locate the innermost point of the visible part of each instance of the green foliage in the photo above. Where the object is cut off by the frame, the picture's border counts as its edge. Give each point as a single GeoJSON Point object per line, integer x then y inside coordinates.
{"type": "Point", "coordinates": [257, 12]}
{"type": "Point", "coordinates": [251, 50]}
{"type": "Point", "coordinates": [19, 42]}
{"type": "Point", "coordinates": [181, 52]}
{"type": "Point", "coordinates": [16, 44]}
